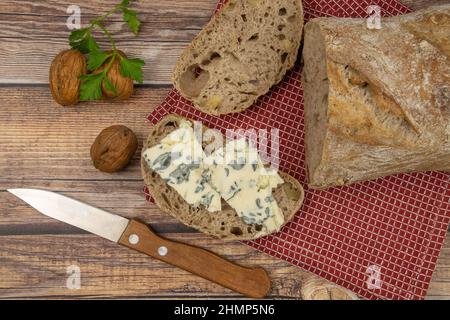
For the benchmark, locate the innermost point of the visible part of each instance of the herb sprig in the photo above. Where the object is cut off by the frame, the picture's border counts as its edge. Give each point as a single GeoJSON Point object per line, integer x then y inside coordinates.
{"type": "Point", "coordinates": [83, 41]}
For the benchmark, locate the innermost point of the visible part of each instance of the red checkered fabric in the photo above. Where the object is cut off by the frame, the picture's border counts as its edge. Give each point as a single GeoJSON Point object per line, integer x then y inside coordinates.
{"type": "Point", "coordinates": [381, 238]}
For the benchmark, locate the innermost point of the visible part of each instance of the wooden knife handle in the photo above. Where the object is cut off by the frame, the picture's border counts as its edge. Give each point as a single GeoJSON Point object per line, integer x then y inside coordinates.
{"type": "Point", "coordinates": [251, 282]}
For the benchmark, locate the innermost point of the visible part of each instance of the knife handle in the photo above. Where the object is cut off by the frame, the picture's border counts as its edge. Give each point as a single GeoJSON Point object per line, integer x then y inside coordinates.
{"type": "Point", "coordinates": [251, 282]}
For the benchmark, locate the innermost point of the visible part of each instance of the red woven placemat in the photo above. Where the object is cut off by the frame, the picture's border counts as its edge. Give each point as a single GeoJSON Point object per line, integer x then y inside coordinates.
{"type": "Point", "coordinates": [381, 238]}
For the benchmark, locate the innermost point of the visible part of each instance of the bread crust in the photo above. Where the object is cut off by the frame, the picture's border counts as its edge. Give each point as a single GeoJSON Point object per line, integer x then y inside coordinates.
{"type": "Point", "coordinates": [225, 224]}
{"type": "Point", "coordinates": [377, 102]}
{"type": "Point", "coordinates": [242, 52]}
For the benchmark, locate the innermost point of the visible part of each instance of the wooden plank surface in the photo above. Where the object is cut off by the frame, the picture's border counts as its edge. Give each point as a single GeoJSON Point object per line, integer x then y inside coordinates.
{"type": "Point", "coordinates": [32, 40]}
{"type": "Point", "coordinates": [46, 146]}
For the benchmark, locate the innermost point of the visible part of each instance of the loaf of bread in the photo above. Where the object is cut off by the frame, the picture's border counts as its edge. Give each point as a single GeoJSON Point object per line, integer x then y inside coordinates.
{"type": "Point", "coordinates": [225, 224]}
{"type": "Point", "coordinates": [377, 102]}
{"type": "Point", "coordinates": [246, 49]}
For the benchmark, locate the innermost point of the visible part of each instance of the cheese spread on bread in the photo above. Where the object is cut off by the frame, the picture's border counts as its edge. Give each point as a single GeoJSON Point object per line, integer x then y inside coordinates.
{"type": "Point", "coordinates": [240, 177]}
{"type": "Point", "coordinates": [178, 159]}
{"type": "Point", "coordinates": [234, 173]}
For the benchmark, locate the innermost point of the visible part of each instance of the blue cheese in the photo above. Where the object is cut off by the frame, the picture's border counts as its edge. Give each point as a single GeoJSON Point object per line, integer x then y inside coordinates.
{"type": "Point", "coordinates": [240, 177]}
{"type": "Point", "coordinates": [234, 173]}
{"type": "Point", "coordinates": [178, 159]}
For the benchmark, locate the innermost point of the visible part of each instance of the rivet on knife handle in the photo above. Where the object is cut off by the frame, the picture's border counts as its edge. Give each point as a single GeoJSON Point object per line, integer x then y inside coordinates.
{"type": "Point", "coordinates": [251, 282]}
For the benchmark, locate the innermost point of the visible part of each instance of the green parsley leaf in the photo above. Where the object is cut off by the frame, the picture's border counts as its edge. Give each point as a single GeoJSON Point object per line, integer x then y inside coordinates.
{"type": "Point", "coordinates": [109, 85]}
{"type": "Point", "coordinates": [132, 68]}
{"type": "Point", "coordinates": [92, 44]}
{"type": "Point", "coordinates": [91, 86]}
{"type": "Point", "coordinates": [79, 34]}
{"type": "Point", "coordinates": [130, 17]}
{"type": "Point", "coordinates": [81, 40]}
{"type": "Point", "coordinates": [96, 59]}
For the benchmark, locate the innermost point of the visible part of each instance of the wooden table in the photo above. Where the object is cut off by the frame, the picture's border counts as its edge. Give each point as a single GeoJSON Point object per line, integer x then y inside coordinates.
{"type": "Point", "coordinates": [43, 145]}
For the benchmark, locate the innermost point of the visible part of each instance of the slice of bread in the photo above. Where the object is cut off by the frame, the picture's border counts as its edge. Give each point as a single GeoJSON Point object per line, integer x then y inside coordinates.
{"type": "Point", "coordinates": [245, 50]}
{"type": "Point", "coordinates": [224, 224]}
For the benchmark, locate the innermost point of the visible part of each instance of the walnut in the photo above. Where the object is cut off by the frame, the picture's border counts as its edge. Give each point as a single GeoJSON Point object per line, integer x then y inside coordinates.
{"type": "Point", "coordinates": [124, 86]}
{"type": "Point", "coordinates": [113, 148]}
{"type": "Point", "coordinates": [65, 71]}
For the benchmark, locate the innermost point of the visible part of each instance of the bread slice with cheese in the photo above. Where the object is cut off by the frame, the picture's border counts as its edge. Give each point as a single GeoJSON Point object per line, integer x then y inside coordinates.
{"type": "Point", "coordinates": [224, 224]}
{"type": "Point", "coordinates": [245, 50]}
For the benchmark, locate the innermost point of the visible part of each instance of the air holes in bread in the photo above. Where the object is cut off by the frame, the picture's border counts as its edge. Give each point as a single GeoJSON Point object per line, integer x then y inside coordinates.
{"type": "Point", "coordinates": [284, 56]}
{"type": "Point", "coordinates": [165, 199]}
{"type": "Point", "coordinates": [171, 126]}
{"type": "Point", "coordinates": [236, 231]}
{"type": "Point", "coordinates": [291, 192]}
{"type": "Point", "coordinates": [193, 80]}
{"type": "Point", "coordinates": [244, 17]}
{"type": "Point", "coordinates": [254, 37]}
{"type": "Point", "coordinates": [212, 57]}
{"type": "Point", "coordinates": [282, 12]}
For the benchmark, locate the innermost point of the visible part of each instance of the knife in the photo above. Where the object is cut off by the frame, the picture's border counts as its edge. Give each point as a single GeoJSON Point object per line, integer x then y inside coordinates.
{"type": "Point", "coordinates": [251, 282]}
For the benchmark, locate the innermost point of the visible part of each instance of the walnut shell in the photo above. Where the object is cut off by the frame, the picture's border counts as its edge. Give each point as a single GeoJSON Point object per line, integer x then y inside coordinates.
{"type": "Point", "coordinates": [113, 148]}
{"type": "Point", "coordinates": [124, 86]}
{"type": "Point", "coordinates": [65, 71]}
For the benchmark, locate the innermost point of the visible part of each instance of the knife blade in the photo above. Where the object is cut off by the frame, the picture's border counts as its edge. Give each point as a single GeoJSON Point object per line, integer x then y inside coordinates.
{"type": "Point", "coordinates": [75, 213]}
{"type": "Point", "coordinates": [252, 282]}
